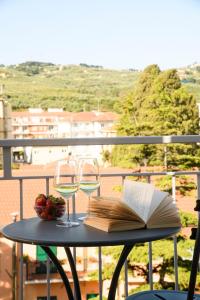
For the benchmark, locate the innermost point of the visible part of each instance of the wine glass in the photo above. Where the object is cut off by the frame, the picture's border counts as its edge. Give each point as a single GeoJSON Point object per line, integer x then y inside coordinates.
{"type": "Point", "coordinates": [88, 173]}
{"type": "Point", "coordinates": [66, 184]}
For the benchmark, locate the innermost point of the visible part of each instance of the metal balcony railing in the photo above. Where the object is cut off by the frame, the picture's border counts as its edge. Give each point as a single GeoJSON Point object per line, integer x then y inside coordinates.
{"type": "Point", "coordinates": [7, 145]}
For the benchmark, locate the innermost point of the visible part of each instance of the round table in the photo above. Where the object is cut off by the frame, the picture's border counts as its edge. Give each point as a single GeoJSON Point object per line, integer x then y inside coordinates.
{"type": "Point", "coordinates": [45, 233]}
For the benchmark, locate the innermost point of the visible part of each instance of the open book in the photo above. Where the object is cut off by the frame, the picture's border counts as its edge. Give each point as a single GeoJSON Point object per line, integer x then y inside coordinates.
{"type": "Point", "coordinates": [141, 206]}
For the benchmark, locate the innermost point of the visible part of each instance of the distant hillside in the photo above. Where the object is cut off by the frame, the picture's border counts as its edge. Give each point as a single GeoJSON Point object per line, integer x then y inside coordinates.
{"type": "Point", "coordinates": [72, 87]}
{"type": "Point", "coordinates": [190, 77]}
{"type": "Point", "coordinates": [76, 87]}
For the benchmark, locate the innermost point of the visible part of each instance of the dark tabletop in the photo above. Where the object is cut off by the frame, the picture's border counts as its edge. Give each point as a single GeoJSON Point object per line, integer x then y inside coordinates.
{"type": "Point", "coordinates": [46, 233]}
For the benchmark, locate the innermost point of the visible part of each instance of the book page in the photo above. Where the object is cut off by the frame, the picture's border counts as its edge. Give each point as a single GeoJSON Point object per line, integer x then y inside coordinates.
{"type": "Point", "coordinates": [157, 198]}
{"type": "Point", "coordinates": [138, 196]}
{"type": "Point", "coordinates": [112, 208]}
{"type": "Point", "coordinates": [166, 215]}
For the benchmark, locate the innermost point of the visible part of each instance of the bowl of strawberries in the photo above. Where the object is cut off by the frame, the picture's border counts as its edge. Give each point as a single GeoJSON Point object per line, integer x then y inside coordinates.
{"type": "Point", "coordinates": [49, 207]}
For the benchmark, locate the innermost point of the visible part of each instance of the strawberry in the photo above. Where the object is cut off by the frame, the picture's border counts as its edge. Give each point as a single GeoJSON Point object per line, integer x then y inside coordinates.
{"type": "Point", "coordinates": [50, 210]}
{"type": "Point", "coordinates": [60, 201]}
{"type": "Point", "coordinates": [44, 215]}
{"type": "Point", "coordinates": [41, 200]}
{"type": "Point", "coordinates": [50, 218]}
{"type": "Point", "coordinates": [50, 201]}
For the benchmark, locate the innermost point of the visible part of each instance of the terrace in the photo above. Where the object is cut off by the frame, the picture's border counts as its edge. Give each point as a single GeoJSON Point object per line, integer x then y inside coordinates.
{"type": "Point", "coordinates": [21, 200]}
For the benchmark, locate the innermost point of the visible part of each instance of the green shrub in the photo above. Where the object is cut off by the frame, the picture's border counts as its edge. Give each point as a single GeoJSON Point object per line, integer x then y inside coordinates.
{"type": "Point", "coordinates": [184, 184]}
{"type": "Point", "coordinates": [188, 219]}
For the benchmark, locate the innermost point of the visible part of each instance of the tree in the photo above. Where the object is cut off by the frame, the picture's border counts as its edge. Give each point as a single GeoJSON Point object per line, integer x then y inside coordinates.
{"type": "Point", "coordinates": [158, 105]}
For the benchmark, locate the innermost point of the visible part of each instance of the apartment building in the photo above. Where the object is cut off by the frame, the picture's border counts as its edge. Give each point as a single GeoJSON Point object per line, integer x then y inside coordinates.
{"type": "Point", "coordinates": [55, 123]}
{"type": "Point", "coordinates": [36, 123]}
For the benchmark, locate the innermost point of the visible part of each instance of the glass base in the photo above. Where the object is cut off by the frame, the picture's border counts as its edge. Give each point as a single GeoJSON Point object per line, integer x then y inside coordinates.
{"type": "Point", "coordinates": [67, 224]}
{"type": "Point", "coordinates": [82, 218]}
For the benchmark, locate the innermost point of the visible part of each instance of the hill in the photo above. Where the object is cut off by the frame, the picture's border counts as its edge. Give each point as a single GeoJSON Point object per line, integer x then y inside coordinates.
{"type": "Point", "coordinates": [190, 77]}
{"type": "Point", "coordinates": [72, 87]}
{"type": "Point", "coordinates": [76, 87]}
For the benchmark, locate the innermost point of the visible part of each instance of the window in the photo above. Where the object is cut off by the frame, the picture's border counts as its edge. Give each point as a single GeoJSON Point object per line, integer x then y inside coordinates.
{"type": "Point", "coordinates": [41, 268]}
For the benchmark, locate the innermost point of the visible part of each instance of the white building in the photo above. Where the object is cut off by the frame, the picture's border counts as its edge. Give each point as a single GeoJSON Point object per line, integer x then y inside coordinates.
{"type": "Point", "coordinates": [54, 123]}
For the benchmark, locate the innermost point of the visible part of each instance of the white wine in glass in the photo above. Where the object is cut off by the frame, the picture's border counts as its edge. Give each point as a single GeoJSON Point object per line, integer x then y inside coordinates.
{"type": "Point", "coordinates": [66, 184]}
{"type": "Point", "coordinates": [88, 173]}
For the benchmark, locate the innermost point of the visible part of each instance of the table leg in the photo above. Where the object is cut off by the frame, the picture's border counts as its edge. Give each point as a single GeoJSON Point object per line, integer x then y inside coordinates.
{"type": "Point", "coordinates": [60, 270]}
{"type": "Point", "coordinates": [113, 286]}
{"type": "Point", "coordinates": [74, 273]}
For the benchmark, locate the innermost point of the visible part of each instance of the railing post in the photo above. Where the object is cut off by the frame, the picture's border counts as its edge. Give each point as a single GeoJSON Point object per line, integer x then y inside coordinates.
{"type": "Point", "coordinates": [126, 263]}
{"type": "Point", "coordinates": [7, 162]}
{"type": "Point", "coordinates": [48, 259]}
{"type": "Point", "coordinates": [100, 260]}
{"type": "Point", "coordinates": [150, 255]}
{"type": "Point", "coordinates": [198, 190]}
{"type": "Point", "coordinates": [21, 272]}
{"type": "Point", "coordinates": [21, 252]}
{"type": "Point", "coordinates": [100, 274]}
{"type": "Point", "coordinates": [175, 238]}
{"type": "Point", "coordinates": [198, 186]}
{"type": "Point", "coordinates": [74, 214]}
{"type": "Point", "coordinates": [48, 278]}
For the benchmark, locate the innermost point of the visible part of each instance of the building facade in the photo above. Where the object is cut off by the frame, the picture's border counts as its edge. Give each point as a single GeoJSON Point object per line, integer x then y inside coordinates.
{"type": "Point", "coordinates": [37, 123]}
{"type": "Point", "coordinates": [50, 124]}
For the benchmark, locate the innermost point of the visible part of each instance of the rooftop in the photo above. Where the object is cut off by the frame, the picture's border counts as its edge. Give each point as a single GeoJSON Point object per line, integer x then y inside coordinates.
{"type": "Point", "coordinates": [93, 116]}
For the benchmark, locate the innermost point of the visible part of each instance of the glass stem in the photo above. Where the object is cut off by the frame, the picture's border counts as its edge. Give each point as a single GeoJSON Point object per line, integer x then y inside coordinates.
{"type": "Point", "coordinates": [68, 219]}
{"type": "Point", "coordinates": [88, 205]}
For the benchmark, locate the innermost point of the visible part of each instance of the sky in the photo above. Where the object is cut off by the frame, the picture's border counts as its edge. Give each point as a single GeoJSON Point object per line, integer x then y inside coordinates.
{"type": "Point", "coordinates": [118, 34]}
